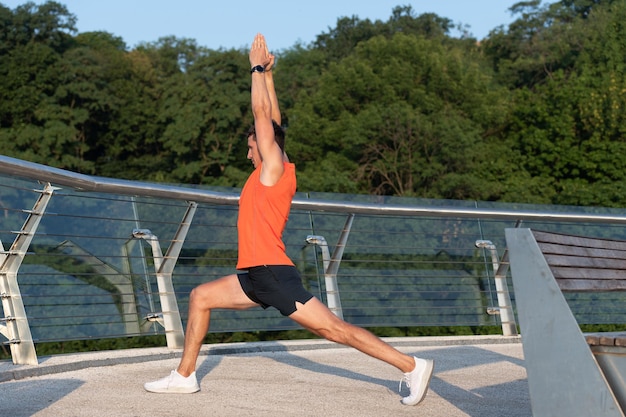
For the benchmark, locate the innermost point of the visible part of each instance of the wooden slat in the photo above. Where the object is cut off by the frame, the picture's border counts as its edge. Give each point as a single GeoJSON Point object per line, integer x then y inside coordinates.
{"type": "Point", "coordinates": [590, 285]}
{"type": "Point", "coordinates": [590, 242]}
{"type": "Point", "coordinates": [567, 250]}
{"type": "Point", "coordinates": [566, 272]}
{"type": "Point", "coordinates": [583, 262]}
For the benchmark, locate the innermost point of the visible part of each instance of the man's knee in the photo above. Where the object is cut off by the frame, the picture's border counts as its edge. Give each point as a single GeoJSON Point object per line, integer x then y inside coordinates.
{"type": "Point", "coordinates": [198, 295]}
{"type": "Point", "coordinates": [195, 292]}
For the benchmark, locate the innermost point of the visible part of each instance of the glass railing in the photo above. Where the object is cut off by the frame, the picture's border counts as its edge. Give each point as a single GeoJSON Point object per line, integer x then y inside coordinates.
{"type": "Point", "coordinates": [88, 257]}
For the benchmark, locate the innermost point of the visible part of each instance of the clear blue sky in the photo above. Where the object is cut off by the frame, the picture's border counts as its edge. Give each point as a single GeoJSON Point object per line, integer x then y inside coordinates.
{"type": "Point", "coordinates": [233, 23]}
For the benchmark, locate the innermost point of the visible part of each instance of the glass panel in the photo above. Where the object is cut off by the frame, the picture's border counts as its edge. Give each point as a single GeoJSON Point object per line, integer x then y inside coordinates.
{"type": "Point", "coordinates": [86, 276]}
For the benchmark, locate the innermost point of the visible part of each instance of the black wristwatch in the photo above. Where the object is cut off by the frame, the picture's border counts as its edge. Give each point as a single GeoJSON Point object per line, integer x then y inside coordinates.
{"type": "Point", "coordinates": [257, 68]}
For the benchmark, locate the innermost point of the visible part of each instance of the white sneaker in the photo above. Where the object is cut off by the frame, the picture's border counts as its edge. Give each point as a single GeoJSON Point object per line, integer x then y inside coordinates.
{"type": "Point", "coordinates": [417, 380]}
{"type": "Point", "coordinates": [174, 383]}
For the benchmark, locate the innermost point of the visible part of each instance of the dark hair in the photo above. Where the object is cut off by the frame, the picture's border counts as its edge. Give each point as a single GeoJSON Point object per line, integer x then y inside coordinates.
{"type": "Point", "coordinates": [279, 135]}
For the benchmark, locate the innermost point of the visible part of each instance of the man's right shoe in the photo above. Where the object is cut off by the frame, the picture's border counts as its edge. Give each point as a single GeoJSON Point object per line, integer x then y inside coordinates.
{"type": "Point", "coordinates": [174, 383]}
{"type": "Point", "coordinates": [418, 381]}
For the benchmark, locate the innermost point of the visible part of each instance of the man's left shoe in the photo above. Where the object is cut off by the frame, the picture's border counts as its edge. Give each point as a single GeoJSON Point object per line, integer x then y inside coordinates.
{"type": "Point", "coordinates": [418, 380]}
{"type": "Point", "coordinates": [174, 383]}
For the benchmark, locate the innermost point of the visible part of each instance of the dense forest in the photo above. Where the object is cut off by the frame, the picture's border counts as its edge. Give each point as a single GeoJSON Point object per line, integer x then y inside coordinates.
{"type": "Point", "coordinates": [533, 113]}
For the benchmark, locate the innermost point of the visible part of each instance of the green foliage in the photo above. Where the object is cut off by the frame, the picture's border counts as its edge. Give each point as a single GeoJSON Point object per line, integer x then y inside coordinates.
{"type": "Point", "coordinates": [407, 109]}
{"type": "Point", "coordinates": [569, 128]}
{"type": "Point", "coordinates": [533, 113]}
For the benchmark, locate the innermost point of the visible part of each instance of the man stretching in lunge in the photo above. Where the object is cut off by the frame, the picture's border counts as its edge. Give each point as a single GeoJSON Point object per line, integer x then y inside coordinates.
{"type": "Point", "coordinates": [268, 277]}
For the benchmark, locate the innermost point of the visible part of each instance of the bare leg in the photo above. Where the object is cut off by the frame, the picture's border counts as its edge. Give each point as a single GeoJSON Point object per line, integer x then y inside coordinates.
{"type": "Point", "coordinates": [317, 318]}
{"type": "Point", "coordinates": [225, 292]}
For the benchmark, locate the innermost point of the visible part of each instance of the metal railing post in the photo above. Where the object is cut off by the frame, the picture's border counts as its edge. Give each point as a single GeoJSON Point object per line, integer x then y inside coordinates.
{"type": "Point", "coordinates": [500, 269]}
{"type": "Point", "coordinates": [16, 327]}
{"type": "Point", "coordinates": [331, 265]}
{"type": "Point", "coordinates": [164, 266]}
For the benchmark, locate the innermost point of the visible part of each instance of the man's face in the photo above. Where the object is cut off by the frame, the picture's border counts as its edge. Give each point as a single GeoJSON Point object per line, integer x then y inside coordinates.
{"type": "Point", "coordinates": [253, 151]}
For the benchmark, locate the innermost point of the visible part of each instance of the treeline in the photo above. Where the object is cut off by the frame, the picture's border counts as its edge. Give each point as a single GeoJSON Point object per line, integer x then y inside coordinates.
{"type": "Point", "coordinates": [534, 113]}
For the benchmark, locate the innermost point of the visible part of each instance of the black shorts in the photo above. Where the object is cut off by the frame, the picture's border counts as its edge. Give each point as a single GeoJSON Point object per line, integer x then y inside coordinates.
{"type": "Point", "coordinates": [279, 286]}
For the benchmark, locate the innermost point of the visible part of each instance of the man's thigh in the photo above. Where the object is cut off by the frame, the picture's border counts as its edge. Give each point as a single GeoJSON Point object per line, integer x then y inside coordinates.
{"type": "Point", "coordinates": [316, 316]}
{"type": "Point", "coordinates": [224, 292]}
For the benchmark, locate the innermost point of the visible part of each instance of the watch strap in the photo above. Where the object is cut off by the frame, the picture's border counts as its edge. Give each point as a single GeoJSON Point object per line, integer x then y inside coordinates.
{"type": "Point", "coordinates": [257, 68]}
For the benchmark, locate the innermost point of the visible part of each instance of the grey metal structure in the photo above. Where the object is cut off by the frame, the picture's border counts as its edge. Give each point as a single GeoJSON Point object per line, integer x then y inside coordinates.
{"type": "Point", "coordinates": [563, 376]}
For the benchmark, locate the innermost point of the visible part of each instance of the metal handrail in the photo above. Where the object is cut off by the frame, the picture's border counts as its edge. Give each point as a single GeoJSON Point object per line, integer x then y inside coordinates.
{"type": "Point", "coordinates": [31, 170]}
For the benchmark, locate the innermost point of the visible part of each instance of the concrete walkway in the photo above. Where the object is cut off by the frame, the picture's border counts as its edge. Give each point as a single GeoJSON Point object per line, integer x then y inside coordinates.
{"type": "Point", "coordinates": [481, 376]}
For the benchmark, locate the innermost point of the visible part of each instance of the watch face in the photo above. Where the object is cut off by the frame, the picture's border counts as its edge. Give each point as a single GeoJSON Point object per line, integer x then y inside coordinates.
{"type": "Point", "coordinates": [257, 68]}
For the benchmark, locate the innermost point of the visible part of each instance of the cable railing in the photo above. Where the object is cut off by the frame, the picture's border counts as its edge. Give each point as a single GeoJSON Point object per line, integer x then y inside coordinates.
{"type": "Point", "coordinates": [87, 257]}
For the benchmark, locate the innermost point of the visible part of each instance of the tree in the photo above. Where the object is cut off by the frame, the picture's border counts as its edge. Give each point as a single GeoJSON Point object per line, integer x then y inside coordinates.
{"type": "Point", "coordinates": [570, 130]}
{"type": "Point", "coordinates": [50, 24]}
{"type": "Point", "coordinates": [35, 39]}
{"type": "Point", "coordinates": [407, 110]}
{"type": "Point", "coordinates": [201, 101]}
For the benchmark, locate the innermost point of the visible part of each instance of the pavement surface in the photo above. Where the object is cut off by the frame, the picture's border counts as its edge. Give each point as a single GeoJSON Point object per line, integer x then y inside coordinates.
{"type": "Point", "coordinates": [481, 376]}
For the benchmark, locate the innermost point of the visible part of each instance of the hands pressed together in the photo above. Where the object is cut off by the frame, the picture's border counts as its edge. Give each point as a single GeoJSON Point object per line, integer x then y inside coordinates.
{"type": "Point", "coordinates": [260, 55]}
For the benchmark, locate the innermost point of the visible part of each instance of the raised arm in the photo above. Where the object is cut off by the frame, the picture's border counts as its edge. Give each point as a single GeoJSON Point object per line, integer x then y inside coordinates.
{"type": "Point", "coordinates": [263, 101]}
{"type": "Point", "coordinates": [269, 82]}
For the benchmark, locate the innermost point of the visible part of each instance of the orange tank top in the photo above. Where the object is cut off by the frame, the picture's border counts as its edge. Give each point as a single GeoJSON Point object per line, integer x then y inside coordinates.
{"type": "Point", "coordinates": [263, 214]}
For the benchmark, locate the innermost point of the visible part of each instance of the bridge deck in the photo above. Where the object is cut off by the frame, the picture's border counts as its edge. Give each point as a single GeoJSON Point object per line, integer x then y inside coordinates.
{"type": "Point", "coordinates": [474, 376]}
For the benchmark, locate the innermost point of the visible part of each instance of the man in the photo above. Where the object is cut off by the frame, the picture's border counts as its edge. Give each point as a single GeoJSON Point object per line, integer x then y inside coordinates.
{"type": "Point", "coordinates": [269, 277]}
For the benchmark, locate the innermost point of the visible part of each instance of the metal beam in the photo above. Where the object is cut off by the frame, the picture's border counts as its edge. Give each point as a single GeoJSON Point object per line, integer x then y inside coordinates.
{"type": "Point", "coordinates": [16, 327]}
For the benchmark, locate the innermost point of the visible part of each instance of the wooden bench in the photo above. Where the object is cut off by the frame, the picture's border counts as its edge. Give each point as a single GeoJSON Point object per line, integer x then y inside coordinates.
{"type": "Point", "coordinates": [569, 373]}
